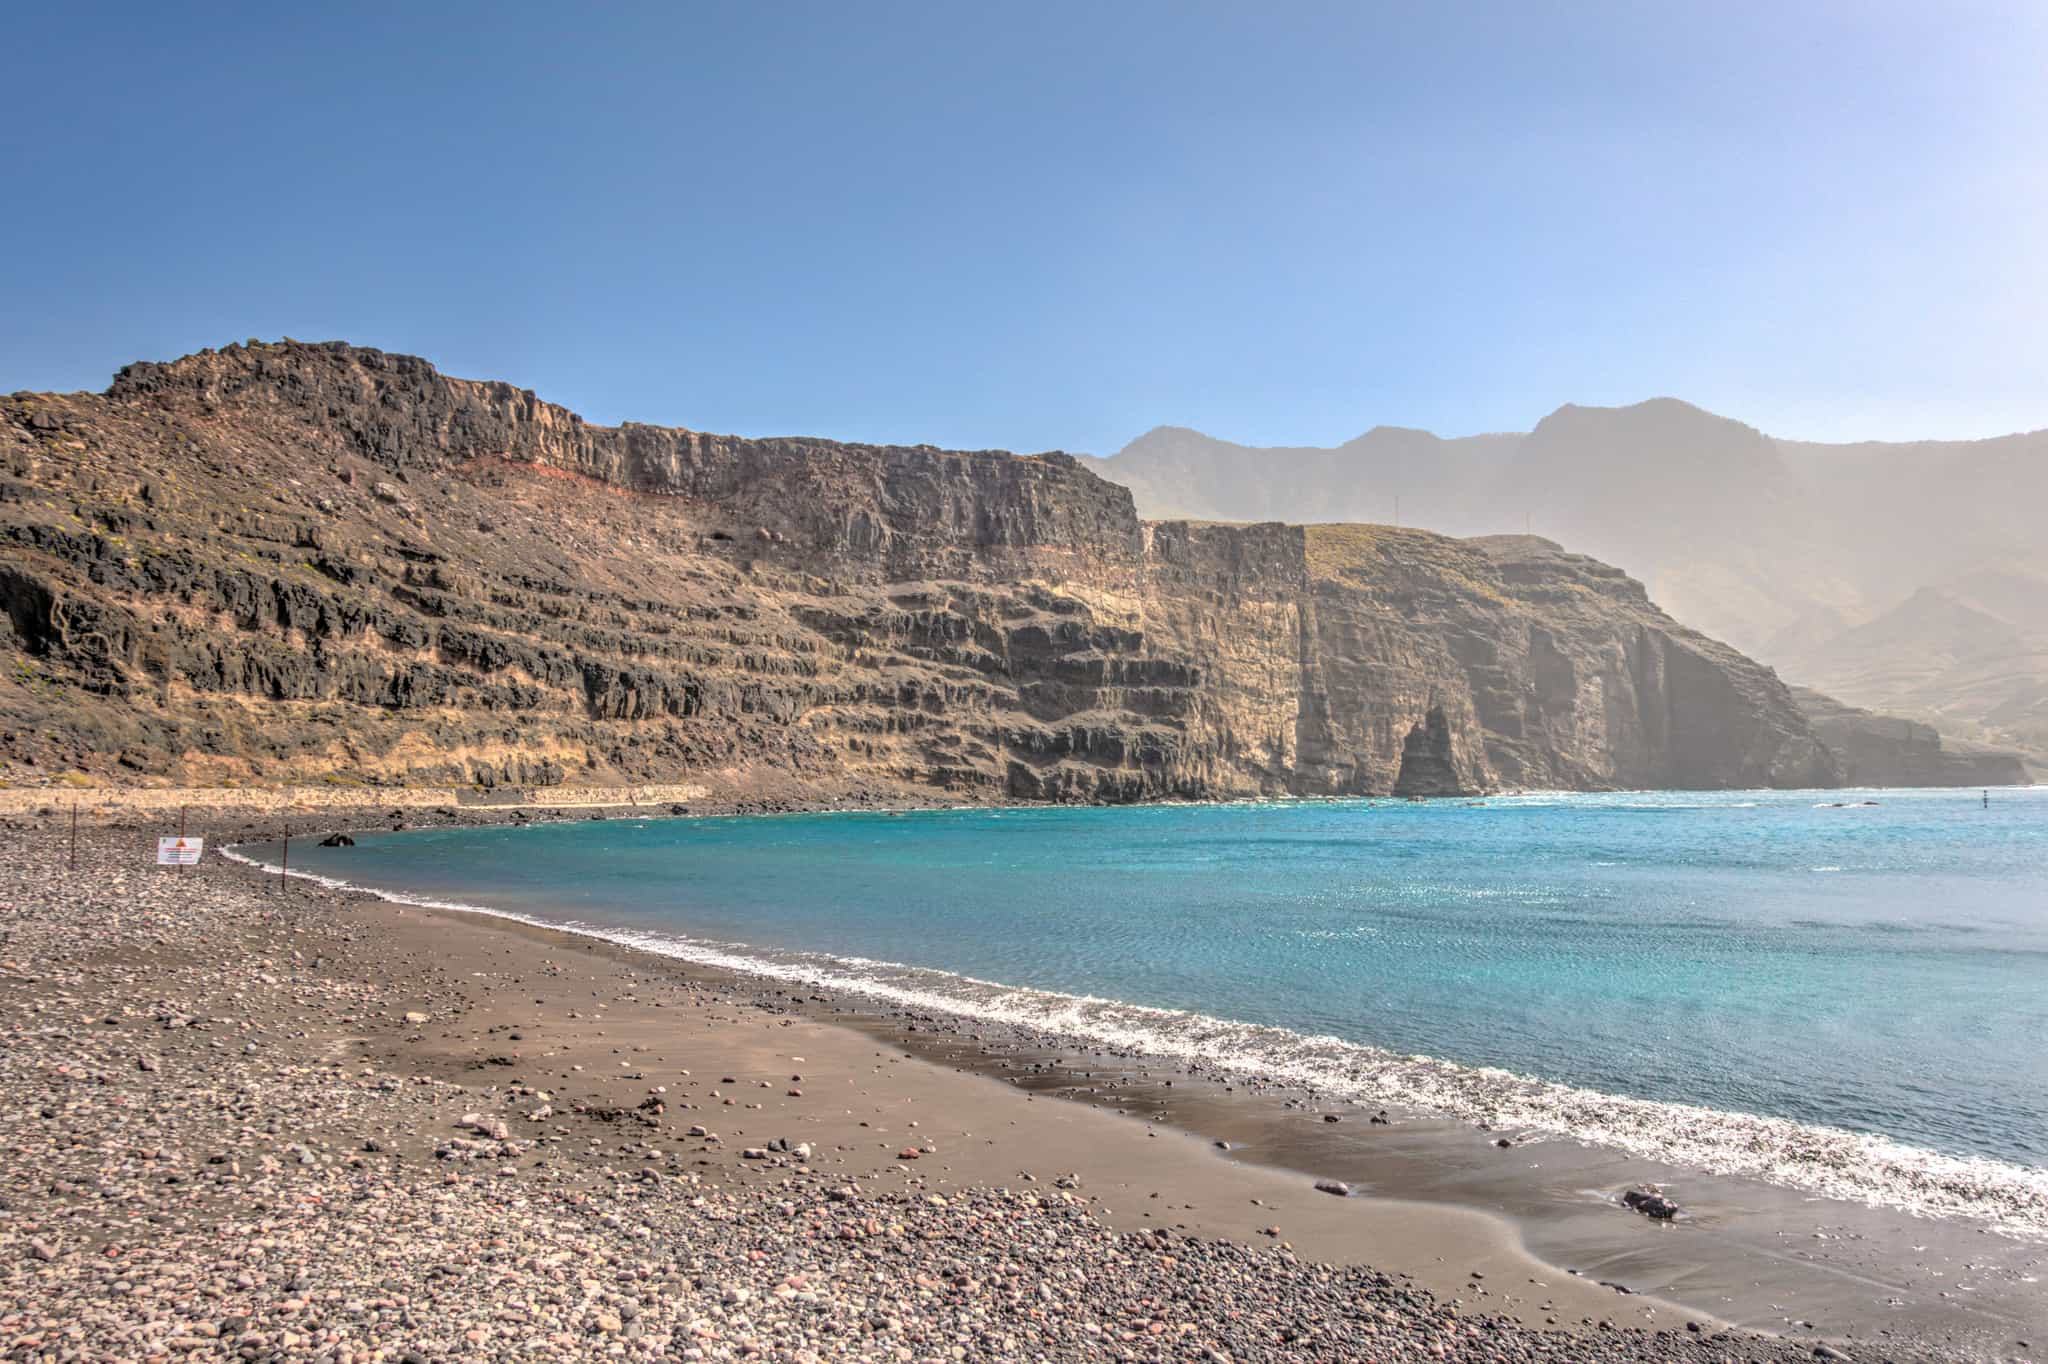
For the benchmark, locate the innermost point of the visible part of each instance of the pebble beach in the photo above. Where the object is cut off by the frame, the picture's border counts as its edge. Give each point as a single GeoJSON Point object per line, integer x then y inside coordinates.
{"type": "Point", "coordinates": [247, 1121]}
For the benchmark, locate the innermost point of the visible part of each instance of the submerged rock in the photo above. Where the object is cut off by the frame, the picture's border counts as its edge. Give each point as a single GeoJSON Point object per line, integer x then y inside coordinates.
{"type": "Point", "coordinates": [1650, 1201]}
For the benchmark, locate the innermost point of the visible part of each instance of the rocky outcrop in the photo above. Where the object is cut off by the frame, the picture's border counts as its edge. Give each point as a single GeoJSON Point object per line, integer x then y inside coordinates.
{"type": "Point", "coordinates": [1886, 750]}
{"type": "Point", "coordinates": [897, 513]}
{"type": "Point", "coordinates": [314, 562]}
{"type": "Point", "coordinates": [1428, 767]}
{"type": "Point", "coordinates": [1651, 1201]}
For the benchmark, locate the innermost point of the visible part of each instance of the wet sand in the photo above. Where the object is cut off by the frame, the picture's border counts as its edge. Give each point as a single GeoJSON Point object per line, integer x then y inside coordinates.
{"type": "Point", "coordinates": [267, 1124]}
{"type": "Point", "coordinates": [600, 1029]}
{"type": "Point", "coordinates": [925, 1104]}
{"type": "Point", "coordinates": [1743, 1252]}
{"type": "Point", "coordinates": [1747, 1253]}
{"type": "Point", "coordinates": [1533, 1229]}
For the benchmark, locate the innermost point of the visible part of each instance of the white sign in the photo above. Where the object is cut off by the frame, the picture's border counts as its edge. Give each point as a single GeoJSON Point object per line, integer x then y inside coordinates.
{"type": "Point", "coordinates": [179, 852]}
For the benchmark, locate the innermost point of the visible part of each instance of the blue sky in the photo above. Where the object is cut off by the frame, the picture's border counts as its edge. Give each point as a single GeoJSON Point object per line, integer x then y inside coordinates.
{"type": "Point", "coordinates": [1054, 226]}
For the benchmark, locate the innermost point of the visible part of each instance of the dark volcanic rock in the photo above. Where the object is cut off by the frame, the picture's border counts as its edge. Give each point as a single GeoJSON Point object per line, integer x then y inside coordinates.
{"type": "Point", "coordinates": [1428, 767]}
{"type": "Point", "coordinates": [304, 562]}
{"type": "Point", "coordinates": [1650, 1202]}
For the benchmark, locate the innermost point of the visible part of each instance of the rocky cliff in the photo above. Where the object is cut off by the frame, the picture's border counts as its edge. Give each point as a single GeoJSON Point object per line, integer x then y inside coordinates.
{"type": "Point", "coordinates": [1886, 750]}
{"type": "Point", "coordinates": [1909, 577]}
{"type": "Point", "coordinates": [317, 562]}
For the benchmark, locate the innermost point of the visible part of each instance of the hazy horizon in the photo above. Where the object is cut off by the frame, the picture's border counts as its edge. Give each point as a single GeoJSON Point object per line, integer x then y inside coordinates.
{"type": "Point", "coordinates": [1252, 445]}
{"type": "Point", "coordinates": [1337, 443]}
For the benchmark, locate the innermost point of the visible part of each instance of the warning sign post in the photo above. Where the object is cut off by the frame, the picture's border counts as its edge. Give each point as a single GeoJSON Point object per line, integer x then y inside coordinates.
{"type": "Point", "coordinates": [179, 852]}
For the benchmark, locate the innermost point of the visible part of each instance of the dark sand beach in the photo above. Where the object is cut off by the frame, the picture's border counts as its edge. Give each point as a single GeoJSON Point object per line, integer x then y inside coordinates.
{"type": "Point", "coordinates": [254, 1119]}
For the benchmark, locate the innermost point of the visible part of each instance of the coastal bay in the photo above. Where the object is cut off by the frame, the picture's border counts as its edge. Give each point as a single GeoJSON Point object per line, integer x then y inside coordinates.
{"type": "Point", "coordinates": [1194, 684]}
{"type": "Point", "coordinates": [352, 1022]}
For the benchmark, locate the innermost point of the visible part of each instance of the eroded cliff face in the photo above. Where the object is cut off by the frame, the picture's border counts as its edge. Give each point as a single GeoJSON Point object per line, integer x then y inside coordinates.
{"type": "Point", "coordinates": [296, 562]}
{"type": "Point", "coordinates": [1886, 750]}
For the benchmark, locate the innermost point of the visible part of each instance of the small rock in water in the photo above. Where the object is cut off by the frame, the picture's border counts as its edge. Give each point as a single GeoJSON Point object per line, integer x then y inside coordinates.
{"type": "Point", "coordinates": [1649, 1200]}
{"type": "Point", "coordinates": [1333, 1186]}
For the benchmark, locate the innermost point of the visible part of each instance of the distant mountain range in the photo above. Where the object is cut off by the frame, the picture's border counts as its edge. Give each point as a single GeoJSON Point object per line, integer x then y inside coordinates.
{"type": "Point", "coordinates": [1911, 578]}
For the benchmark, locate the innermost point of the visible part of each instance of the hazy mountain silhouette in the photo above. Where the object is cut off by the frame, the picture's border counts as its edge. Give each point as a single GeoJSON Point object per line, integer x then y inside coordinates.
{"type": "Point", "coordinates": [1173, 471]}
{"type": "Point", "coordinates": [1906, 577]}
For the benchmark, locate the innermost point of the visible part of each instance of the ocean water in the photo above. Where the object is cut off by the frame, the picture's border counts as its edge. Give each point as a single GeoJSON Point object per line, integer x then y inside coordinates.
{"type": "Point", "coordinates": [1851, 999]}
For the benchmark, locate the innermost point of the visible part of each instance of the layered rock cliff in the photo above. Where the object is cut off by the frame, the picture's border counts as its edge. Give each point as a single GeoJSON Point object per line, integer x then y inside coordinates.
{"type": "Point", "coordinates": [302, 562]}
{"type": "Point", "coordinates": [1887, 750]}
{"type": "Point", "coordinates": [1909, 578]}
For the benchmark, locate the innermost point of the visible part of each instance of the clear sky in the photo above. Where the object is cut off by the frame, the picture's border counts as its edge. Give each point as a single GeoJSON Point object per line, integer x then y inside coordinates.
{"type": "Point", "coordinates": [1056, 225]}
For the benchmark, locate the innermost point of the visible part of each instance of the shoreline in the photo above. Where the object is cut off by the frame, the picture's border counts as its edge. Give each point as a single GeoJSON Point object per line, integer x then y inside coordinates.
{"type": "Point", "coordinates": [1390, 1233]}
{"type": "Point", "coordinates": [1736, 1228]}
{"type": "Point", "coordinates": [942, 1041]}
{"type": "Point", "coordinates": [1837, 1164]}
{"type": "Point", "coordinates": [310, 1125]}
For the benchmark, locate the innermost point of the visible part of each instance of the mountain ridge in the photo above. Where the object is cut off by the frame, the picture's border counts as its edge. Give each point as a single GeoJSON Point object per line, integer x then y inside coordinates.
{"type": "Point", "coordinates": [1781, 547]}
{"type": "Point", "coordinates": [314, 561]}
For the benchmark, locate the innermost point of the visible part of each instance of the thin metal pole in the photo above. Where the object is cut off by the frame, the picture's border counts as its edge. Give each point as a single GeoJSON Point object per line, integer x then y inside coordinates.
{"type": "Point", "coordinates": [284, 859]}
{"type": "Point", "coordinates": [74, 835]}
{"type": "Point", "coordinates": [181, 838]}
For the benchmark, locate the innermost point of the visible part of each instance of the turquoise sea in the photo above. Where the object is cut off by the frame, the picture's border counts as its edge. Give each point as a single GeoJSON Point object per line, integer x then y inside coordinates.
{"type": "Point", "coordinates": [1840, 991]}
